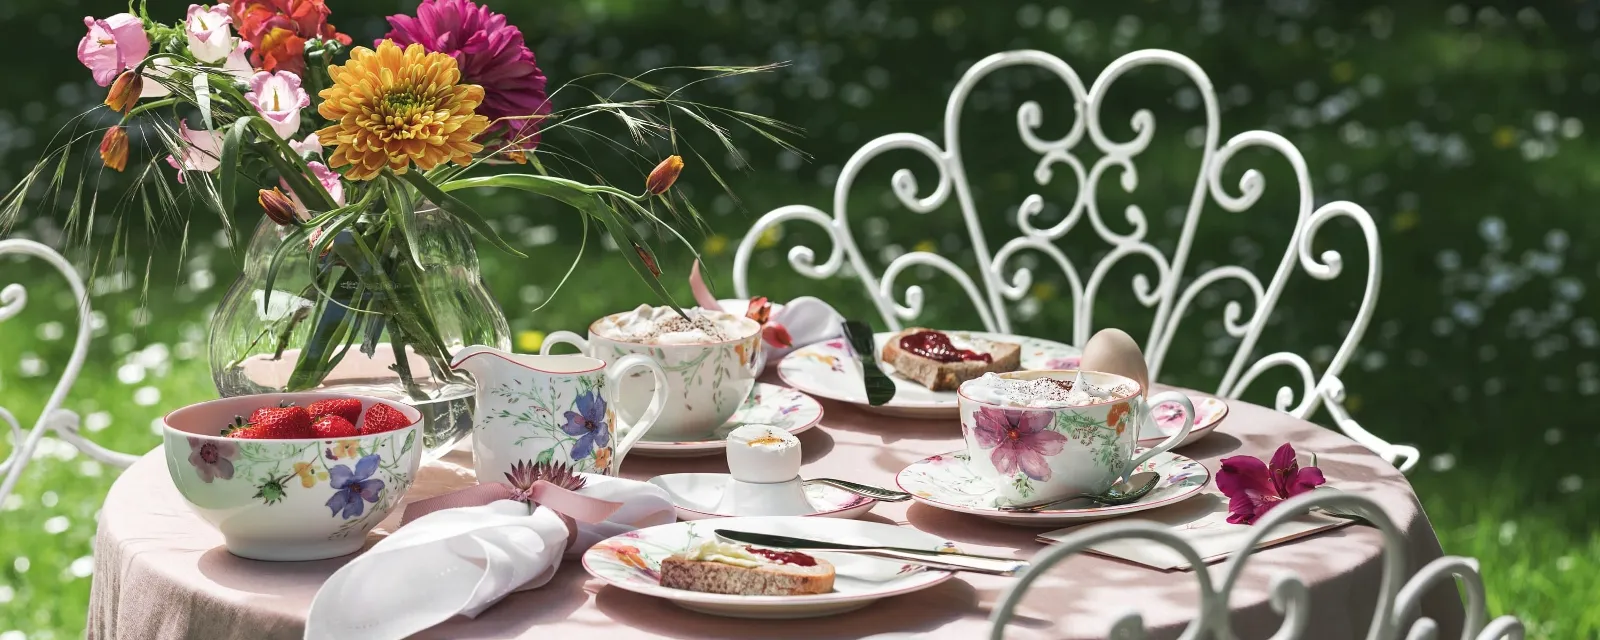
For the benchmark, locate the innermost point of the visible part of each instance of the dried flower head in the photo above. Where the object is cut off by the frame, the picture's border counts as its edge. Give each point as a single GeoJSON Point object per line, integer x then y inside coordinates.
{"type": "Point", "coordinates": [394, 108]}
{"type": "Point", "coordinates": [524, 474]}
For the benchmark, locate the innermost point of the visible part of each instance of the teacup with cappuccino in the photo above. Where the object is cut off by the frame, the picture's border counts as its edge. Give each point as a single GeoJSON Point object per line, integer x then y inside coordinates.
{"type": "Point", "coordinates": [711, 359]}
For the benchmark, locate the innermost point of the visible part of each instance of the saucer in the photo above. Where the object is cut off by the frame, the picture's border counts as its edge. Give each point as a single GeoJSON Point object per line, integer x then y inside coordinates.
{"type": "Point", "coordinates": [632, 561]}
{"type": "Point", "coordinates": [829, 370]}
{"type": "Point", "coordinates": [944, 481]}
{"type": "Point", "coordinates": [780, 407]}
{"type": "Point", "coordinates": [696, 495]}
{"type": "Point", "coordinates": [1167, 418]}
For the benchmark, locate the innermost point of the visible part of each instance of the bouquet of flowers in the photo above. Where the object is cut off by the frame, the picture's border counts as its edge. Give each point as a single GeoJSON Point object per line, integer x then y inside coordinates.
{"type": "Point", "coordinates": [347, 147]}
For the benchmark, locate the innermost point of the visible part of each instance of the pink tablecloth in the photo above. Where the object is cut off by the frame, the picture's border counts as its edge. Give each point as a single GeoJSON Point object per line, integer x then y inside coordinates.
{"type": "Point", "coordinates": [161, 572]}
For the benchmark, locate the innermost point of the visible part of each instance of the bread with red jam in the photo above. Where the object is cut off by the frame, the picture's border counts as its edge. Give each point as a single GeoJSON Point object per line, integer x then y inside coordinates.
{"type": "Point", "coordinates": [716, 567]}
{"type": "Point", "coordinates": [941, 362]}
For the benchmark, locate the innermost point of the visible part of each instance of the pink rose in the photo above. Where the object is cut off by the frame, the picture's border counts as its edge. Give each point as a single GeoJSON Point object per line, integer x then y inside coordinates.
{"type": "Point", "coordinates": [112, 46]}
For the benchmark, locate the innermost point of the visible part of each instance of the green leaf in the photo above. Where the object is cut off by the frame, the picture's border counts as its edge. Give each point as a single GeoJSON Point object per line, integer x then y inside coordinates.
{"type": "Point", "coordinates": [202, 98]}
{"type": "Point", "coordinates": [459, 209]}
{"type": "Point", "coordinates": [229, 175]}
{"type": "Point", "coordinates": [411, 439]}
{"type": "Point", "coordinates": [400, 207]}
{"type": "Point", "coordinates": [545, 456]}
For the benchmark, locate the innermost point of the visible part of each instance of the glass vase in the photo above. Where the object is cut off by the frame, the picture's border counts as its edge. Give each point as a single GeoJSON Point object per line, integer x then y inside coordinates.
{"type": "Point", "coordinates": [335, 321]}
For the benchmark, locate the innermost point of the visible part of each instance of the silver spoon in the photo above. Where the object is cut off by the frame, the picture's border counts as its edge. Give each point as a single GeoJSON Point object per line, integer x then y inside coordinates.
{"type": "Point", "coordinates": [1127, 492]}
{"type": "Point", "coordinates": [869, 491]}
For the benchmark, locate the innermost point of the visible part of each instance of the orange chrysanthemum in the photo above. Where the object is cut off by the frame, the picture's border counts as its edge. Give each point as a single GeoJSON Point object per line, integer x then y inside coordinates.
{"type": "Point", "coordinates": [394, 108]}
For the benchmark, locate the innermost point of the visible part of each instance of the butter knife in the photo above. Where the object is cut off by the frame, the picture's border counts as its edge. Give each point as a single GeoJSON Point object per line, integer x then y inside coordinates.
{"type": "Point", "coordinates": [945, 560]}
{"type": "Point", "coordinates": [880, 389]}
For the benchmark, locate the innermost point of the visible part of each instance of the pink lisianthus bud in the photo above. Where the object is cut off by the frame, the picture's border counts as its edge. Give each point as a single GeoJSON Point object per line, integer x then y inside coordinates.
{"type": "Point", "coordinates": [278, 97]}
{"type": "Point", "coordinates": [210, 37]}
{"type": "Point", "coordinates": [112, 46]}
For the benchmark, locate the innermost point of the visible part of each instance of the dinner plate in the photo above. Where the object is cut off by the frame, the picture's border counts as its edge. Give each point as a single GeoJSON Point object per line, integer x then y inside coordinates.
{"type": "Point", "coordinates": [632, 561]}
{"type": "Point", "coordinates": [829, 370]}
{"type": "Point", "coordinates": [944, 481]}
{"type": "Point", "coordinates": [778, 406]}
{"type": "Point", "coordinates": [1167, 418]}
{"type": "Point", "coordinates": [697, 495]}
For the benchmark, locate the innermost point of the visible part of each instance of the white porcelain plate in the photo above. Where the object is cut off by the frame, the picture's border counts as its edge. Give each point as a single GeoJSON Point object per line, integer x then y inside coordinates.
{"type": "Point", "coordinates": [1167, 418]}
{"type": "Point", "coordinates": [945, 482]}
{"type": "Point", "coordinates": [780, 407]}
{"type": "Point", "coordinates": [697, 495]}
{"type": "Point", "coordinates": [632, 561]}
{"type": "Point", "coordinates": [829, 370]}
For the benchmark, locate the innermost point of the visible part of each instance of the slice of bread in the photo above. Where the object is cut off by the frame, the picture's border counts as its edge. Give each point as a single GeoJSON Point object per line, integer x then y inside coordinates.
{"type": "Point", "coordinates": [1005, 357]}
{"type": "Point", "coordinates": [745, 574]}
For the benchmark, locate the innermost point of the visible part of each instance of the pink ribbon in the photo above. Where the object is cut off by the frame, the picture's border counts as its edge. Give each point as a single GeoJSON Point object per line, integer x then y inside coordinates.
{"type": "Point", "coordinates": [772, 331]}
{"type": "Point", "coordinates": [571, 506]}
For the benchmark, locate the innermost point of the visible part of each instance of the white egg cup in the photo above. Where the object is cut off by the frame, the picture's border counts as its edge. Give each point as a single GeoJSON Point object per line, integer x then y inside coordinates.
{"type": "Point", "coordinates": [764, 462]}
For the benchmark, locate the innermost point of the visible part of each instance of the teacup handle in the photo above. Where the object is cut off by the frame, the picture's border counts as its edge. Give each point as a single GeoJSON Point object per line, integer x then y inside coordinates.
{"type": "Point", "coordinates": [1172, 440]}
{"type": "Point", "coordinates": [629, 434]}
{"type": "Point", "coordinates": [564, 337]}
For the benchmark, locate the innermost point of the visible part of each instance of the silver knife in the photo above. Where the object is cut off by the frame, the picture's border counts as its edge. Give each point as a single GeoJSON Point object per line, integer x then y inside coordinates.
{"type": "Point", "coordinates": [946, 560]}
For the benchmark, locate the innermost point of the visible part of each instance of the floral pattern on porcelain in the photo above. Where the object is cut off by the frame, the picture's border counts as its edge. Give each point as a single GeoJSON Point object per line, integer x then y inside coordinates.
{"type": "Point", "coordinates": [576, 427]}
{"type": "Point", "coordinates": [947, 479]}
{"type": "Point", "coordinates": [356, 480]}
{"type": "Point", "coordinates": [708, 382]}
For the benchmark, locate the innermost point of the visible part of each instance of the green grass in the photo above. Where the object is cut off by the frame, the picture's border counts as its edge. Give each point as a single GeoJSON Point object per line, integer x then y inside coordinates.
{"type": "Point", "coordinates": [1538, 557]}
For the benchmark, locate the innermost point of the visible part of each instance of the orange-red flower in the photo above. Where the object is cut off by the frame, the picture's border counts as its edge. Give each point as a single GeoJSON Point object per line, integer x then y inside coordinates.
{"type": "Point", "coordinates": [277, 31]}
{"type": "Point", "coordinates": [662, 177]}
{"type": "Point", "coordinates": [1116, 416]}
{"type": "Point", "coordinates": [125, 91]}
{"type": "Point", "coordinates": [114, 148]}
{"type": "Point", "coordinates": [394, 108]}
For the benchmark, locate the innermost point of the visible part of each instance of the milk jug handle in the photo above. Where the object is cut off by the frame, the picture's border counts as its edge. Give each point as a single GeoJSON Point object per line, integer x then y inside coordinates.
{"type": "Point", "coordinates": [629, 434]}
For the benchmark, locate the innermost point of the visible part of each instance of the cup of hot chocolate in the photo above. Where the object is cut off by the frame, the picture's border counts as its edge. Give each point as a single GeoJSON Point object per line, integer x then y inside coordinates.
{"type": "Point", "coordinates": [711, 359]}
{"type": "Point", "coordinates": [1040, 436]}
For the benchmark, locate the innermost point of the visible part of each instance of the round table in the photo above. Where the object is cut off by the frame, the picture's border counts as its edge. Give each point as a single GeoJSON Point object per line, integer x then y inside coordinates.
{"type": "Point", "coordinates": [161, 572]}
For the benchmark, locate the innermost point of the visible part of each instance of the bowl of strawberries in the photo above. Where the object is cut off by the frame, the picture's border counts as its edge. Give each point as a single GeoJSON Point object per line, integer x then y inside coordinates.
{"type": "Point", "coordinates": [293, 476]}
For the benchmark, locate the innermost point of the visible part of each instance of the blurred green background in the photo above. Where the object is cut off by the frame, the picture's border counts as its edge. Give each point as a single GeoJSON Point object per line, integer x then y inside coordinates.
{"type": "Point", "coordinates": [1462, 128]}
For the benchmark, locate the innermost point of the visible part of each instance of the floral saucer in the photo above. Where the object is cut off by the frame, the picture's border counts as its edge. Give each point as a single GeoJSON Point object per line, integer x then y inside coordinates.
{"type": "Point", "coordinates": [696, 495]}
{"type": "Point", "coordinates": [632, 561]}
{"type": "Point", "coordinates": [1167, 418]}
{"type": "Point", "coordinates": [780, 407]}
{"type": "Point", "coordinates": [829, 370]}
{"type": "Point", "coordinates": [945, 482]}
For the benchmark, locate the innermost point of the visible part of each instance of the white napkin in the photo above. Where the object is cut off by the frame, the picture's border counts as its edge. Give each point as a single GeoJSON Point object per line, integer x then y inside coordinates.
{"type": "Point", "coordinates": [462, 561]}
{"type": "Point", "coordinates": [808, 320]}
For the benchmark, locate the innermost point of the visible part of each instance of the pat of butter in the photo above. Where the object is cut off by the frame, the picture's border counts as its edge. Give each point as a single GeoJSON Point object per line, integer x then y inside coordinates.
{"type": "Point", "coordinates": [713, 551]}
{"type": "Point", "coordinates": [763, 453]}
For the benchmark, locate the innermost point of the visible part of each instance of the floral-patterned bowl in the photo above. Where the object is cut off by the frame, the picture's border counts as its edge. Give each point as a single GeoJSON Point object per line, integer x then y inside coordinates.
{"type": "Point", "coordinates": [303, 499]}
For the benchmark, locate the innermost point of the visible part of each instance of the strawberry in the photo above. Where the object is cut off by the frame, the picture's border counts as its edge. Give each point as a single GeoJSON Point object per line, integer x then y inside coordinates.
{"type": "Point", "coordinates": [329, 427]}
{"type": "Point", "coordinates": [382, 417]}
{"type": "Point", "coordinates": [248, 433]}
{"type": "Point", "coordinates": [260, 414]}
{"type": "Point", "coordinates": [347, 408]}
{"type": "Point", "coordinates": [281, 423]}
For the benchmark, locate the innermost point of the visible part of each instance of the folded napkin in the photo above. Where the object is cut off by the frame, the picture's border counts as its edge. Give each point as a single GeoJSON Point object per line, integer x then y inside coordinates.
{"type": "Point", "coordinates": [454, 559]}
{"type": "Point", "coordinates": [786, 327]}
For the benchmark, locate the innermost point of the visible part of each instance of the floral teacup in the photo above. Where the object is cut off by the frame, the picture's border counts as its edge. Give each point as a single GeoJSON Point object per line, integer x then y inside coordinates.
{"type": "Point", "coordinates": [1040, 454]}
{"type": "Point", "coordinates": [303, 499]}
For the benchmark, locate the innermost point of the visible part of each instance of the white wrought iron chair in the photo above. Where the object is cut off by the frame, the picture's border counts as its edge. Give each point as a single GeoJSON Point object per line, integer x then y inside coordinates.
{"type": "Point", "coordinates": [1396, 602]}
{"type": "Point", "coordinates": [1167, 294]}
{"type": "Point", "coordinates": [63, 422]}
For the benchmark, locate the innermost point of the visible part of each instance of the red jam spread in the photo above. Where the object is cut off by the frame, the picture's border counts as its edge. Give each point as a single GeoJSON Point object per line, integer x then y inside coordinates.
{"type": "Point", "coordinates": [936, 346]}
{"type": "Point", "coordinates": [787, 557]}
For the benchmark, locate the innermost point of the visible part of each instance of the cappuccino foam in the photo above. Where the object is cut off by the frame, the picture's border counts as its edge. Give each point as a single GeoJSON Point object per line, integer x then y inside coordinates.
{"type": "Point", "coordinates": [1036, 392]}
{"type": "Point", "coordinates": [662, 325]}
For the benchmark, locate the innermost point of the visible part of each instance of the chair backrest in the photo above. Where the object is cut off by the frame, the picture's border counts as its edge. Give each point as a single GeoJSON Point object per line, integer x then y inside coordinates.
{"type": "Point", "coordinates": [13, 297]}
{"type": "Point", "coordinates": [1397, 602]}
{"type": "Point", "coordinates": [1169, 292]}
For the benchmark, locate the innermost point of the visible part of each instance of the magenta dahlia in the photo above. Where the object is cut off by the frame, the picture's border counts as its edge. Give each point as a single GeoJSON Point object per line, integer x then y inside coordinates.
{"type": "Point", "coordinates": [490, 53]}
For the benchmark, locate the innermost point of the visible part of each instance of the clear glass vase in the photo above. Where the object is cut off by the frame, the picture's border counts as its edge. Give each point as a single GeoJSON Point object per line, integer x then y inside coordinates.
{"type": "Point", "coordinates": [330, 326]}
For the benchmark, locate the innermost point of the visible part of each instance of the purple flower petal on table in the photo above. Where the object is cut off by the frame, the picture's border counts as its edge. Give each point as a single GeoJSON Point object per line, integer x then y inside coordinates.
{"type": "Point", "coordinates": [1306, 479]}
{"type": "Point", "coordinates": [1284, 465]}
